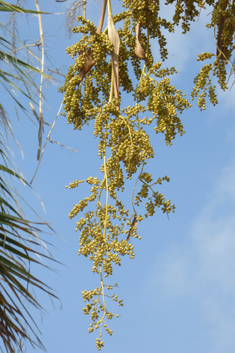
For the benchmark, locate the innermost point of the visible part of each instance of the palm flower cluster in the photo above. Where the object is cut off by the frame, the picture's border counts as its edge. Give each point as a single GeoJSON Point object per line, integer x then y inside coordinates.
{"type": "Point", "coordinates": [108, 67]}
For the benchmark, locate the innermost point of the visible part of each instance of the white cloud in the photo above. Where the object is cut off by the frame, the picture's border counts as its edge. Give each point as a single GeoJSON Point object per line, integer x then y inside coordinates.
{"type": "Point", "coordinates": [203, 268]}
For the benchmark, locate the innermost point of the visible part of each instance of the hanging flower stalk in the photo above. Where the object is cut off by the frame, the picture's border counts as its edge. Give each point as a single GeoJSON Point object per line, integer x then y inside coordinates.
{"type": "Point", "coordinates": [89, 62]}
{"type": "Point", "coordinates": [107, 229]}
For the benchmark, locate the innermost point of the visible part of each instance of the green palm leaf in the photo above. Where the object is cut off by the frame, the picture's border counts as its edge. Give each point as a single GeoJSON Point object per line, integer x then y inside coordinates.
{"type": "Point", "coordinates": [19, 238]}
{"type": "Point", "coordinates": [17, 248]}
{"type": "Point", "coordinates": [5, 6]}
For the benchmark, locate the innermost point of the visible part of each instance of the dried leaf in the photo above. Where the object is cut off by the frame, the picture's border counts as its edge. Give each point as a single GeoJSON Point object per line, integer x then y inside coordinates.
{"type": "Point", "coordinates": [99, 29]}
{"type": "Point", "coordinates": [89, 62]}
{"type": "Point", "coordinates": [114, 38]}
{"type": "Point", "coordinates": [34, 111]}
{"type": "Point", "coordinates": [133, 225]}
{"type": "Point", "coordinates": [40, 130]}
{"type": "Point", "coordinates": [220, 46]}
{"type": "Point", "coordinates": [138, 49]}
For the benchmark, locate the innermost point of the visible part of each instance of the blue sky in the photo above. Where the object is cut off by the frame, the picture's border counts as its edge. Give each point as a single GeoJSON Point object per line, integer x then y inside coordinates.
{"type": "Point", "coordinates": [179, 290]}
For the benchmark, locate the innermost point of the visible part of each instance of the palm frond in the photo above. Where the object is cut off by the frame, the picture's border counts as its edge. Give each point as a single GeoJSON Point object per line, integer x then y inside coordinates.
{"type": "Point", "coordinates": [5, 6]}
{"type": "Point", "coordinates": [19, 241]}
{"type": "Point", "coordinates": [19, 238]}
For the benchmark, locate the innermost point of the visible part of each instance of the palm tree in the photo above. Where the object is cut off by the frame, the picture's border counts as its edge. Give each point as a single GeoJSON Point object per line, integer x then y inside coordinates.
{"type": "Point", "coordinates": [19, 238]}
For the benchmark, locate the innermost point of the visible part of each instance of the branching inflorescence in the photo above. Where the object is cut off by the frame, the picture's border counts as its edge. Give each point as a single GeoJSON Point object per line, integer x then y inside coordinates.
{"type": "Point", "coordinates": [94, 90]}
